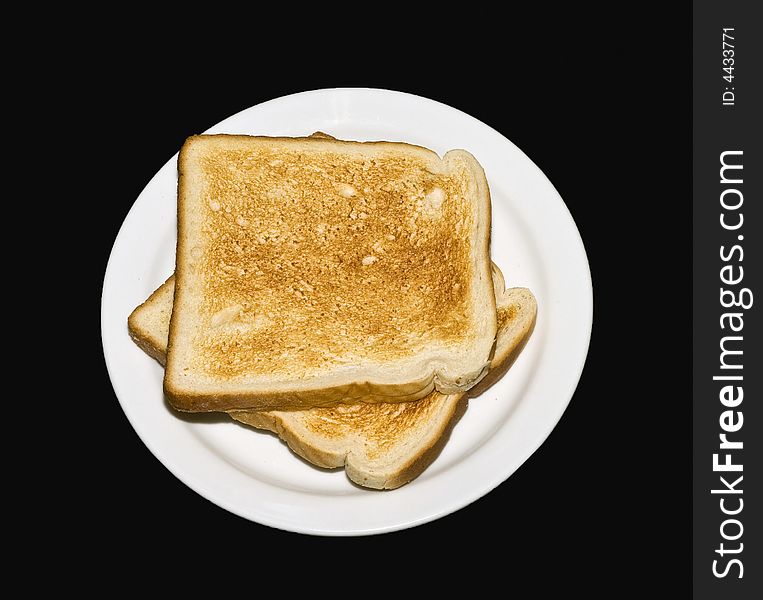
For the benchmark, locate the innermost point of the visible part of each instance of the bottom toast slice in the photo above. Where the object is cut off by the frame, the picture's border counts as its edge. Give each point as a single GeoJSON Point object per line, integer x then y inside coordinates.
{"type": "Point", "coordinates": [381, 446]}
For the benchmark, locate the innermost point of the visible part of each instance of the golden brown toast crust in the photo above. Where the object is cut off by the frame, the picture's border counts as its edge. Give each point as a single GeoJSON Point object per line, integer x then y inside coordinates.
{"type": "Point", "coordinates": [327, 226]}
{"type": "Point", "coordinates": [450, 409]}
{"type": "Point", "coordinates": [291, 258]}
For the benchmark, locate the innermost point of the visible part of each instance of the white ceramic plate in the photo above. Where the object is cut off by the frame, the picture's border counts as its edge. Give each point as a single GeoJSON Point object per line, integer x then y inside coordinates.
{"type": "Point", "coordinates": [253, 474]}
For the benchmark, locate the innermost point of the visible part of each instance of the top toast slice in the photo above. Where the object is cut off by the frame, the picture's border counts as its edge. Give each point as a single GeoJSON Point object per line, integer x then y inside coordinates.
{"type": "Point", "coordinates": [313, 271]}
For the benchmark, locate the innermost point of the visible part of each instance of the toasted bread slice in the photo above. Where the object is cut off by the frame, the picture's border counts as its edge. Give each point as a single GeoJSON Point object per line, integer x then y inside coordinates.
{"type": "Point", "coordinates": [381, 445]}
{"type": "Point", "coordinates": [313, 271]}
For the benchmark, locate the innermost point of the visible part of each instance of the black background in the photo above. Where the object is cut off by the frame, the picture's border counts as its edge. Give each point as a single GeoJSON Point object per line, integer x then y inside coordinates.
{"type": "Point", "coordinates": [601, 103]}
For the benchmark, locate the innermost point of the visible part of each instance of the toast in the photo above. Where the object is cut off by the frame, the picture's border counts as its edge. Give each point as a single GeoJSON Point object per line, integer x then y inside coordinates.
{"type": "Point", "coordinates": [313, 271]}
{"type": "Point", "coordinates": [382, 445]}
